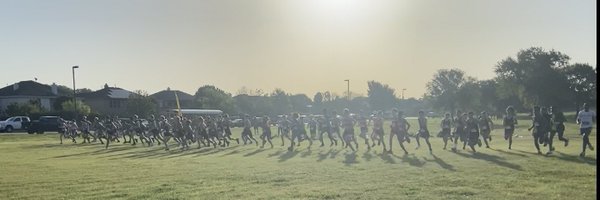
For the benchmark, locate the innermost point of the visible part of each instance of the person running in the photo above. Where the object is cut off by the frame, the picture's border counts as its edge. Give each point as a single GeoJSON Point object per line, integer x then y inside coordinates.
{"type": "Point", "coordinates": [536, 125]}
{"type": "Point", "coordinates": [485, 125]}
{"type": "Point", "coordinates": [312, 127]}
{"type": "Point", "coordinates": [459, 129]}
{"type": "Point", "coordinates": [325, 127]}
{"type": "Point", "coordinates": [446, 126]}
{"type": "Point", "coordinates": [472, 127]}
{"type": "Point", "coordinates": [285, 129]}
{"type": "Point", "coordinates": [348, 125]}
{"type": "Point", "coordinates": [166, 130]}
{"type": "Point", "coordinates": [558, 123]}
{"type": "Point", "coordinates": [378, 134]}
{"type": "Point", "coordinates": [85, 130]}
{"type": "Point", "coordinates": [247, 133]}
{"type": "Point", "coordinates": [335, 127]}
{"type": "Point", "coordinates": [509, 122]}
{"type": "Point", "coordinates": [226, 123]}
{"type": "Point", "coordinates": [256, 123]}
{"type": "Point", "coordinates": [423, 131]}
{"type": "Point", "coordinates": [547, 128]}
{"type": "Point", "coordinates": [400, 129]}
{"type": "Point", "coordinates": [298, 131]}
{"type": "Point", "coordinates": [585, 120]}
{"type": "Point", "coordinates": [266, 131]}
{"type": "Point", "coordinates": [364, 130]}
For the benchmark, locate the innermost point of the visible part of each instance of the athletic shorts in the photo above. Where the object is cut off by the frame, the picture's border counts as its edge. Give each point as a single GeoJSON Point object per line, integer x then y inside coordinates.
{"type": "Point", "coordinates": [267, 133]}
{"type": "Point", "coordinates": [473, 138]}
{"type": "Point", "coordinates": [247, 132]}
{"type": "Point", "coordinates": [485, 133]}
{"type": "Point", "coordinates": [445, 132]}
{"type": "Point", "coordinates": [508, 133]}
{"type": "Point", "coordinates": [424, 133]}
{"type": "Point", "coordinates": [560, 128]}
{"type": "Point", "coordinates": [585, 131]}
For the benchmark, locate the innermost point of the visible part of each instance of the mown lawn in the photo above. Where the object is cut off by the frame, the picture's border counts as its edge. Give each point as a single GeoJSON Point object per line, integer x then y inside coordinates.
{"type": "Point", "coordinates": [37, 167]}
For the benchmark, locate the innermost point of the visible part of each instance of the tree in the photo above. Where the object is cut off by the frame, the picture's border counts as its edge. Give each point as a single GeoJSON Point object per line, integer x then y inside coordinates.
{"type": "Point", "coordinates": [318, 98]}
{"type": "Point", "coordinates": [381, 97]}
{"type": "Point", "coordinates": [443, 89]}
{"type": "Point", "coordinates": [24, 109]}
{"type": "Point", "coordinates": [535, 76]}
{"type": "Point", "coordinates": [280, 101]}
{"type": "Point", "coordinates": [139, 103]}
{"type": "Point", "coordinates": [82, 108]}
{"type": "Point", "coordinates": [299, 102]}
{"type": "Point", "coordinates": [211, 97]}
{"type": "Point", "coordinates": [582, 82]}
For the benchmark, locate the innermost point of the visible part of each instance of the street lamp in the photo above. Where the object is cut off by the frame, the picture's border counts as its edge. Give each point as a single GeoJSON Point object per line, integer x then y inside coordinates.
{"type": "Point", "coordinates": [74, 99]}
{"type": "Point", "coordinates": [403, 89]}
{"type": "Point", "coordinates": [348, 80]}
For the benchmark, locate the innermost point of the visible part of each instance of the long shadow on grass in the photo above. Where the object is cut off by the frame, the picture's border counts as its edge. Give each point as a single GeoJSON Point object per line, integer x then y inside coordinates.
{"type": "Point", "coordinates": [509, 152]}
{"type": "Point", "coordinates": [323, 156]}
{"type": "Point", "coordinates": [368, 156]}
{"type": "Point", "coordinates": [441, 162]}
{"type": "Point", "coordinates": [308, 152]}
{"type": "Point", "coordinates": [350, 159]}
{"type": "Point", "coordinates": [99, 151]}
{"type": "Point", "coordinates": [411, 160]}
{"type": "Point", "coordinates": [387, 158]}
{"type": "Point", "coordinates": [491, 158]}
{"type": "Point", "coordinates": [254, 152]}
{"type": "Point", "coordinates": [574, 158]}
{"type": "Point", "coordinates": [287, 155]}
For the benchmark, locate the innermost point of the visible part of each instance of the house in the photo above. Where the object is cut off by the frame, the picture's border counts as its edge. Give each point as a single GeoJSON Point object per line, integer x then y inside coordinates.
{"type": "Point", "coordinates": [107, 101]}
{"type": "Point", "coordinates": [28, 91]}
{"type": "Point", "coordinates": [165, 100]}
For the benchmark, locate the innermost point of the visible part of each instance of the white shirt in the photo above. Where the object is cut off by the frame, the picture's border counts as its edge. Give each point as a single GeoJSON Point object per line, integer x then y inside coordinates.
{"type": "Point", "coordinates": [586, 118]}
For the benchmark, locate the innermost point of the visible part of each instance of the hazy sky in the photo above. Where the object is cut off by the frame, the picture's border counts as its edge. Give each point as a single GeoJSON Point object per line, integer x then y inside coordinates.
{"type": "Point", "coordinates": [300, 46]}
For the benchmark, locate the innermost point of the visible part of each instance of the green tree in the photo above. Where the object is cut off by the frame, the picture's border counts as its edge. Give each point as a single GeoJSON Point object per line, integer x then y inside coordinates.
{"type": "Point", "coordinates": [82, 108]}
{"type": "Point", "coordinates": [211, 97]}
{"type": "Point", "coordinates": [582, 82]}
{"type": "Point", "coordinates": [139, 103]}
{"type": "Point", "coordinates": [281, 102]}
{"type": "Point", "coordinates": [443, 90]}
{"type": "Point", "coordinates": [535, 76]}
{"type": "Point", "coordinates": [381, 97]}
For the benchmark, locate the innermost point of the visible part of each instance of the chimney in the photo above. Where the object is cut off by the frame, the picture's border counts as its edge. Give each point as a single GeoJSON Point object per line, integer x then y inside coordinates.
{"type": "Point", "coordinates": [105, 85]}
{"type": "Point", "coordinates": [54, 89]}
{"type": "Point", "coordinates": [15, 86]}
{"type": "Point", "coordinates": [168, 89]}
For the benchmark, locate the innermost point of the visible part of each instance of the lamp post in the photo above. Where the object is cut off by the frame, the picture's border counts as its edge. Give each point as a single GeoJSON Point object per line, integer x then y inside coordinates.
{"type": "Point", "coordinates": [403, 89]}
{"type": "Point", "coordinates": [348, 80]}
{"type": "Point", "coordinates": [74, 91]}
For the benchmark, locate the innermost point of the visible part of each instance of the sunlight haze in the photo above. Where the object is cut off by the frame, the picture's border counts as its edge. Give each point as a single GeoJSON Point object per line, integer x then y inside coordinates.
{"type": "Point", "coordinates": [298, 46]}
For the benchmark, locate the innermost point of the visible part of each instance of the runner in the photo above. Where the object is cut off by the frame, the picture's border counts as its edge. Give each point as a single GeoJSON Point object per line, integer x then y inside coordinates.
{"type": "Point", "coordinates": [585, 119]}
{"type": "Point", "coordinates": [400, 129]}
{"type": "Point", "coordinates": [364, 130]}
{"type": "Point", "coordinates": [446, 126]}
{"type": "Point", "coordinates": [485, 125]}
{"type": "Point", "coordinates": [266, 132]}
{"type": "Point", "coordinates": [509, 121]}
{"type": "Point", "coordinates": [536, 125]}
{"type": "Point", "coordinates": [423, 131]}
{"type": "Point", "coordinates": [348, 125]}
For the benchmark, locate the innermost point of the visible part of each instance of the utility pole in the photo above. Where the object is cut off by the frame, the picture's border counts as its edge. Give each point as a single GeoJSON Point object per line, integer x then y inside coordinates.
{"type": "Point", "coordinates": [403, 89]}
{"type": "Point", "coordinates": [74, 92]}
{"type": "Point", "coordinates": [348, 80]}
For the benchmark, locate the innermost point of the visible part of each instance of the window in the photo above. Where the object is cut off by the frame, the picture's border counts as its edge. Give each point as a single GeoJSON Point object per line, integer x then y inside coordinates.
{"type": "Point", "coordinates": [115, 103]}
{"type": "Point", "coordinates": [18, 119]}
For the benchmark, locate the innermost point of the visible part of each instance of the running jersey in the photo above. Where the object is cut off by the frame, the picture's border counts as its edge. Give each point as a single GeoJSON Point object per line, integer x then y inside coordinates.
{"type": "Point", "coordinates": [484, 123]}
{"type": "Point", "coordinates": [472, 125]}
{"type": "Point", "coordinates": [378, 123]}
{"type": "Point", "coordinates": [348, 122]}
{"type": "Point", "coordinates": [509, 122]}
{"type": "Point", "coordinates": [362, 122]}
{"type": "Point", "coordinates": [586, 118]}
{"type": "Point", "coordinates": [422, 123]}
{"type": "Point", "coordinates": [446, 123]}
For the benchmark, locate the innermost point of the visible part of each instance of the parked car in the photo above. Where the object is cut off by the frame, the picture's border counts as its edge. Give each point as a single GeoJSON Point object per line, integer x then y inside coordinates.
{"type": "Point", "coordinates": [45, 123]}
{"type": "Point", "coordinates": [237, 123]}
{"type": "Point", "coordinates": [14, 123]}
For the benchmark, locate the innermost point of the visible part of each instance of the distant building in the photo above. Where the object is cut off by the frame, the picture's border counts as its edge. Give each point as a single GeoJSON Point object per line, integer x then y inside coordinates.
{"type": "Point", "coordinates": [28, 91]}
{"type": "Point", "coordinates": [107, 101]}
{"type": "Point", "coordinates": [165, 100]}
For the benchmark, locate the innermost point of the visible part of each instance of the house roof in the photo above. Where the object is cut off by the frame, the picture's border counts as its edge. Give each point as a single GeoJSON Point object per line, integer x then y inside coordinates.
{"type": "Point", "coordinates": [107, 92]}
{"type": "Point", "coordinates": [27, 88]}
{"type": "Point", "coordinates": [168, 94]}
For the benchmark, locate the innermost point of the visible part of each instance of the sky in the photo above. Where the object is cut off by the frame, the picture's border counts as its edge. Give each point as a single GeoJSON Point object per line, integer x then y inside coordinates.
{"type": "Point", "coordinates": [302, 46]}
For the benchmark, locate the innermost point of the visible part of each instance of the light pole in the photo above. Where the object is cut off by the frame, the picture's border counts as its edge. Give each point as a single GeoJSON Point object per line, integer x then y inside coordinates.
{"type": "Point", "coordinates": [74, 99]}
{"type": "Point", "coordinates": [403, 89]}
{"type": "Point", "coordinates": [348, 80]}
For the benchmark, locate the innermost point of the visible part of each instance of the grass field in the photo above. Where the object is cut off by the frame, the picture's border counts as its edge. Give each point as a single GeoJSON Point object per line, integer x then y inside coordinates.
{"type": "Point", "coordinates": [37, 167]}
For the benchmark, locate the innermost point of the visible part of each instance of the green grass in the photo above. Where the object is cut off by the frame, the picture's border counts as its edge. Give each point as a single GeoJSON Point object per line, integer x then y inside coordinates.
{"type": "Point", "coordinates": [37, 167]}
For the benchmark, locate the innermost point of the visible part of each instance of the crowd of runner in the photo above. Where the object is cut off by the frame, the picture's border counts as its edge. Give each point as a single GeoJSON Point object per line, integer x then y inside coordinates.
{"type": "Point", "coordinates": [215, 131]}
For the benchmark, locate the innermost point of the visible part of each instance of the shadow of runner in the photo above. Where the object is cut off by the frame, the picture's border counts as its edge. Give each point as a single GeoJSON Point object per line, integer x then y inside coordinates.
{"type": "Point", "coordinates": [287, 155]}
{"type": "Point", "coordinates": [575, 158]}
{"type": "Point", "coordinates": [276, 153]}
{"type": "Point", "coordinates": [491, 158]}
{"type": "Point", "coordinates": [334, 154]}
{"type": "Point", "coordinates": [441, 163]}
{"type": "Point", "coordinates": [350, 159]}
{"type": "Point", "coordinates": [368, 156]}
{"type": "Point", "coordinates": [324, 156]}
{"type": "Point", "coordinates": [387, 158]}
{"type": "Point", "coordinates": [254, 152]}
{"type": "Point", "coordinates": [411, 160]}
{"type": "Point", "coordinates": [308, 152]}
{"type": "Point", "coordinates": [508, 152]}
